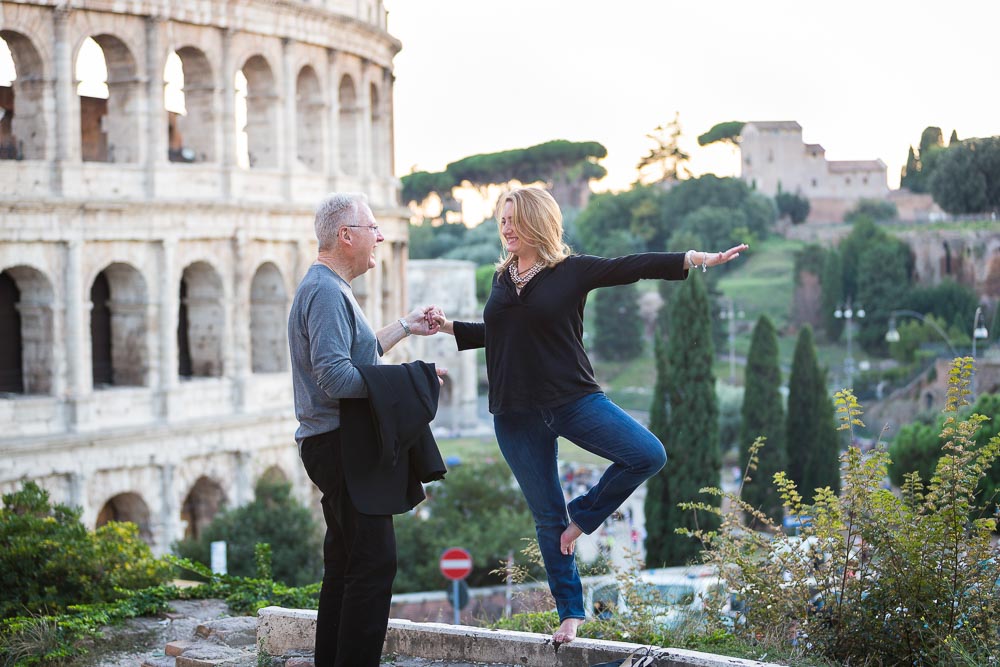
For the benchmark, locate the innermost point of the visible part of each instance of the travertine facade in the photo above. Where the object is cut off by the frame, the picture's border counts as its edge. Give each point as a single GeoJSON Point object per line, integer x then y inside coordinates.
{"type": "Point", "coordinates": [145, 276]}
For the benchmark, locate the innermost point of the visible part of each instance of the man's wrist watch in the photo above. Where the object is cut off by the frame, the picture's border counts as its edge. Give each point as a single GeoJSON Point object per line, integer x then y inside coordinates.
{"type": "Point", "coordinates": [406, 327]}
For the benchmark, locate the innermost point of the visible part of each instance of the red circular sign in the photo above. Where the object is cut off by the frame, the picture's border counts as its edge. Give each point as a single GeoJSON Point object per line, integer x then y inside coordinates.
{"type": "Point", "coordinates": [456, 563]}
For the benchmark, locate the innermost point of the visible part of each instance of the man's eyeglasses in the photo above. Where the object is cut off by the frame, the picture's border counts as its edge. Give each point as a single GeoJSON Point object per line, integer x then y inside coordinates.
{"type": "Point", "coordinates": [374, 228]}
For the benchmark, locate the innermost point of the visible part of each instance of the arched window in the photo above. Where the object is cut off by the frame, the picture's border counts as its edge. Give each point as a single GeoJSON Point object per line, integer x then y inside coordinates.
{"type": "Point", "coordinates": [310, 113]}
{"type": "Point", "coordinates": [188, 100]}
{"type": "Point", "coordinates": [380, 134]}
{"type": "Point", "coordinates": [202, 503]}
{"type": "Point", "coordinates": [128, 507]}
{"type": "Point", "coordinates": [22, 120]}
{"type": "Point", "coordinates": [119, 350]}
{"type": "Point", "coordinates": [109, 129]}
{"type": "Point", "coordinates": [11, 371]}
{"type": "Point", "coordinates": [388, 306]}
{"type": "Point", "coordinates": [268, 317]}
{"type": "Point", "coordinates": [200, 322]}
{"type": "Point", "coordinates": [26, 339]}
{"type": "Point", "coordinates": [348, 130]}
{"type": "Point", "coordinates": [261, 114]}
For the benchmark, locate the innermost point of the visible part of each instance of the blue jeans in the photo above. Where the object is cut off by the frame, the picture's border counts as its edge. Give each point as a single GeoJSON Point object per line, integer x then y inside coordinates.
{"type": "Point", "coordinates": [528, 442]}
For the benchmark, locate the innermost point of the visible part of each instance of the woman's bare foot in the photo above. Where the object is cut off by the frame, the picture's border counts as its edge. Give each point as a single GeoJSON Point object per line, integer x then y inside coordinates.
{"type": "Point", "coordinates": [567, 541]}
{"type": "Point", "coordinates": [567, 631]}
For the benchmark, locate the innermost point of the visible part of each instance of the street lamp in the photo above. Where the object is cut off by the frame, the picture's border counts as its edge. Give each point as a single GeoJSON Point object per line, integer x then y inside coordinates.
{"type": "Point", "coordinates": [849, 314]}
{"type": "Point", "coordinates": [731, 315]}
{"type": "Point", "coordinates": [979, 332]}
{"type": "Point", "coordinates": [892, 335]}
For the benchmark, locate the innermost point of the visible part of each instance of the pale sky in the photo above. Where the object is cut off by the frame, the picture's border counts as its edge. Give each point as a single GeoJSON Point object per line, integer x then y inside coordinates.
{"type": "Point", "coordinates": [862, 77]}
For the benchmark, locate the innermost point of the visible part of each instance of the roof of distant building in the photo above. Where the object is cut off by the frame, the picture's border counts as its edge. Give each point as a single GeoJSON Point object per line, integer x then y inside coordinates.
{"type": "Point", "coordinates": [775, 124]}
{"type": "Point", "coordinates": [856, 165]}
{"type": "Point", "coordinates": [813, 149]}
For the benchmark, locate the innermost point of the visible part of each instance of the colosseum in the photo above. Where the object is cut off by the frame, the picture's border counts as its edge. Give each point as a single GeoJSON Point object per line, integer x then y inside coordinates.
{"type": "Point", "coordinates": [155, 224]}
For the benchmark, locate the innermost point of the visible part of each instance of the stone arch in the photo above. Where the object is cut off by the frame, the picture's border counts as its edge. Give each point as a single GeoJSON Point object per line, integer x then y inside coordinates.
{"type": "Point", "coordinates": [262, 113]}
{"type": "Point", "coordinates": [118, 329]}
{"type": "Point", "coordinates": [200, 506]}
{"type": "Point", "coordinates": [310, 112]}
{"type": "Point", "coordinates": [109, 128]}
{"type": "Point", "coordinates": [274, 474]}
{"type": "Point", "coordinates": [348, 125]}
{"type": "Point", "coordinates": [22, 120]}
{"type": "Point", "coordinates": [379, 132]}
{"type": "Point", "coordinates": [200, 322]}
{"type": "Point", "coordinates": [268, 315]}
{"type": "Point", "coordinates": [192, 133]}
{"type": "Point", "coordinates": [27, 340]}
{"type": "Point", "coordinates": [127, 507]}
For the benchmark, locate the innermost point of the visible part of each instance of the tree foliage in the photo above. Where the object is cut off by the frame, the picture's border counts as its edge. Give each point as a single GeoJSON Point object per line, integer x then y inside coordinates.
{"type": "Point", "coordinates": [479, 508]}
{"type": "Point", "coordinates": [920, 162]}
{"type": "Point", "coordinates": [966, 177]}
{"type": "Point", "coordinates": [549, 163]}
{"type": "Point", "coordinates": [792, 206]}
{"type": "Point", "coordinates": [810, 430]}
{"type": "Point", "coordinates": [917, 448]}
{"type": "Point", "coordinates": [875, 209]}
{"type": "Point", "coordinates": [275, 518]}
{"type": "Point", "coordinates": [728, 132]}
{"type": "Point", "coordinates": [763, 416]}
{"type": "Point", "coordinates": [692, 433]}
{"type": "Point", "coordinates": [49, 560]}
{"type": "Point", "coordinates": [875, 577]}
{"type": "Point", "coordinates": [665, 160]}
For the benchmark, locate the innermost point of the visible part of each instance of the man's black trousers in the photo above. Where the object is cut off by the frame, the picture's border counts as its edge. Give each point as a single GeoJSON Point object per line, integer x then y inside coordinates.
{"type": "Point", "coordinates": [359, 564]}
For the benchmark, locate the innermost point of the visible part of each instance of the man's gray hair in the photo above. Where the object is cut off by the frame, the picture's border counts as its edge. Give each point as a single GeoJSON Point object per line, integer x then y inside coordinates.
{"type": "Point", "coordinates": [337, 210]}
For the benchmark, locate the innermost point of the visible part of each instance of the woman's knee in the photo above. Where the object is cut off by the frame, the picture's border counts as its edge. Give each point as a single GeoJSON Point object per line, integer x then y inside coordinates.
{"type": "Point", "coordinates": [651, 460]}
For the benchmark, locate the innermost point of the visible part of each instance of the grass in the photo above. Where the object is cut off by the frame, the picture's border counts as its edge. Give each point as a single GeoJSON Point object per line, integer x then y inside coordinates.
{"type": "Point", "coordinates": [485, 449]}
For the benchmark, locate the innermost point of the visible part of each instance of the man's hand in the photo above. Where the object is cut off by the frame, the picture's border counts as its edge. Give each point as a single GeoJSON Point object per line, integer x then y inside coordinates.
{"type": "Point", "coordinates": [421, 322]}
{"type": "Point", "coordinates": [441, 372]}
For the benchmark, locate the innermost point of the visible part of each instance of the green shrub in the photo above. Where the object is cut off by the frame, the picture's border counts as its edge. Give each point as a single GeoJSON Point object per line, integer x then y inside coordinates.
{"type": "Point", "coordinates": [477, 507]}
{"type": "Point", "coordinates": [50, 560]}
{"type": "Point", "coordinates": [274, 517]}
{"type": "Point", "coordinates": [875, 578]}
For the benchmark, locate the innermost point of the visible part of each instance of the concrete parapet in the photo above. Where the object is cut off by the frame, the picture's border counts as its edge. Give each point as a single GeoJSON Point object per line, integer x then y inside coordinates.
{"type": "Point", "coordinates": [281, 631]}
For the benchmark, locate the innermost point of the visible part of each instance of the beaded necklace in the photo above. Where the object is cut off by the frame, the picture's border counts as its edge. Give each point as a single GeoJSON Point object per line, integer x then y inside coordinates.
{"type": "Point", "coordinates": [521, 281]}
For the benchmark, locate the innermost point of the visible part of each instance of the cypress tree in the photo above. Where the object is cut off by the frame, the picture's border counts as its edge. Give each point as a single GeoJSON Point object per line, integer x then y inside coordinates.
{"type": "Point", "coordinates": [691, 435]}
{"type": "Point", "coordinates": [832, 293]}
{"type": "Point", "coordinates": [763, 415]}
{"type": "Point", "coordinates": [813, 448]}
{"type": "Point", "coordinates": [617, 325]}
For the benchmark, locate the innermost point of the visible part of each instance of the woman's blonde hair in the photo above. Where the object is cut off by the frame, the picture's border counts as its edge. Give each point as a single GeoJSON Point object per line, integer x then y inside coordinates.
{"type": "Point", "coordinates": [536, 218]}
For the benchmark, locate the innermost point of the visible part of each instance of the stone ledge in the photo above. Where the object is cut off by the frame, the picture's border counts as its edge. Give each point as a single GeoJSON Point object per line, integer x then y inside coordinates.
{"type": "Point", "coordinates": [280, 631]}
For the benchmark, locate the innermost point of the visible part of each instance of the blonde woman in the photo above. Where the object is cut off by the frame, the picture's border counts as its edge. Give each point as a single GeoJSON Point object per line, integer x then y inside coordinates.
{"type": "Point", "coordinates": [542, 383]}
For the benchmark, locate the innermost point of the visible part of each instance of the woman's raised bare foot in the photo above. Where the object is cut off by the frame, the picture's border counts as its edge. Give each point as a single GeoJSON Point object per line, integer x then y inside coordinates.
{"type": "Point", "coordinates": [566, 632]}
{"type": "Point", "coordinates": [567, 541]}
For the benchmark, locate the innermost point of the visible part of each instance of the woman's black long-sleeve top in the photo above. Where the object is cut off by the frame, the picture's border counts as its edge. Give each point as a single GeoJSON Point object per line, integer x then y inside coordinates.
{"type": "Point", "coordinates": [534, 340]}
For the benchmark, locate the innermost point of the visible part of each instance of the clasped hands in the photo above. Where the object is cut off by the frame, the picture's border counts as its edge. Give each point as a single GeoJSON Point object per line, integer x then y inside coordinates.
{"type": "Point", "coordinates": [427, 321]}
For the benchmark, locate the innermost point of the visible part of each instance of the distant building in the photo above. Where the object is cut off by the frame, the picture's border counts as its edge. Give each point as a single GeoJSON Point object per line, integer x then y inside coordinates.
{"type": "Point", "coordinates": [775, 158]}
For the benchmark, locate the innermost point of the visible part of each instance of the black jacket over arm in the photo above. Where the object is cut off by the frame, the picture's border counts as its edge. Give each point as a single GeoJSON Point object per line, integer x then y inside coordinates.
{"type": "Point", "coordinates": [387, 446]}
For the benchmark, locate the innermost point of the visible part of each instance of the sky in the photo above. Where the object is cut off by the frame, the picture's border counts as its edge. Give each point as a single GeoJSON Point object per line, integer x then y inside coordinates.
{"type": "Point", "coordinates": [863, 78]}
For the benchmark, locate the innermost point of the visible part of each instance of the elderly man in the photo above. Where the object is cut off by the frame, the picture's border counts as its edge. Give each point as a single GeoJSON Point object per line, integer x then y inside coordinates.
{"type": "Point", "coordinates": [333, 351]}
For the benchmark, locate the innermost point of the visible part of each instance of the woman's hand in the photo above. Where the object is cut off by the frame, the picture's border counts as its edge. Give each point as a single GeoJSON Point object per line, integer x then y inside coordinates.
{"type": "Point", "coordinates": [717, 258]}
{"type": "Point", "coordinates": [440, 321]}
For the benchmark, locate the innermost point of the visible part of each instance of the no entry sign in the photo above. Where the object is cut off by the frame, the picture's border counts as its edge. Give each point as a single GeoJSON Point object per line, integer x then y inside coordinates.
{"type": "Point", "coordinates": [456, 563]}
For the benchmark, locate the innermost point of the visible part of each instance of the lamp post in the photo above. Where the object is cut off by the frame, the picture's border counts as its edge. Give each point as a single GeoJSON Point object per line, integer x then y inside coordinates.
{"type": "Point", "coordinates": [979, 332]}
{"type": "Point", "coordinates": [892, 335]}
{"type": "Point", "coordinates": [731, 315]}
{"type": "Point", "coordinates": [849, 314]}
